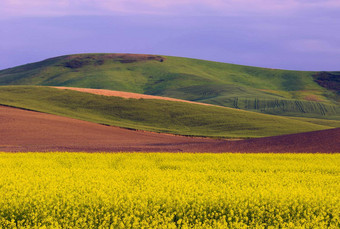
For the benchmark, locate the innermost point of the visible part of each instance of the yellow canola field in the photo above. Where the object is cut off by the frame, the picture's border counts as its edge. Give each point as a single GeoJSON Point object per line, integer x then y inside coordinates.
{"type": "Point", "coordinates": [161, 190]}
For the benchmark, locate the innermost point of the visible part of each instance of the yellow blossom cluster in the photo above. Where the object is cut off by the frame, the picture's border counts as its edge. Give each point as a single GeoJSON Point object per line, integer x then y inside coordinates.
{"type": "Point", "coordinates": [163, 190]}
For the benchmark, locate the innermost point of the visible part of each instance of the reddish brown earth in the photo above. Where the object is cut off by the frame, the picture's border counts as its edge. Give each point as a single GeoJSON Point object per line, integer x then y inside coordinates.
{"type": "Point", "coordinates": [129, 95]}
{"type": "Point", "coordinates": [24, 131]}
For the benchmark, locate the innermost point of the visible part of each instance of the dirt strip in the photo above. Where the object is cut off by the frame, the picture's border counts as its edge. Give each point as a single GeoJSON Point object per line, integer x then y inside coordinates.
{"type": "Point", "coordinates": [29, 131]}
{"type": "Point", "coordinates": [128, 95]}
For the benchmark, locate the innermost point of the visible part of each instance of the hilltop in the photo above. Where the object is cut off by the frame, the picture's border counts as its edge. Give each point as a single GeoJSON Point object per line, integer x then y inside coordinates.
{"type": "Point", "coordinates": [271, 91]}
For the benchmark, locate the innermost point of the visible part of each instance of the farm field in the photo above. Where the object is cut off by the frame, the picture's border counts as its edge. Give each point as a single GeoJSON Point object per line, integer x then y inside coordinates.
{"type": "Point", "coordinates": [145, 114]}
{"type": "Point", "coordinates": [272, 91]}
{"type": "Point", "coordinates": [161, 190]}
{"type": "Point", "coordinates": [154, 114]}
{"type": "Point", "coordinates": [29, 131]}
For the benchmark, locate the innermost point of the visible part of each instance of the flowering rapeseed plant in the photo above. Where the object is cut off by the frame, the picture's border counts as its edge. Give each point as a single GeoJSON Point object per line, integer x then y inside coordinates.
{"type": "Point", "coordinates": [78, 190]}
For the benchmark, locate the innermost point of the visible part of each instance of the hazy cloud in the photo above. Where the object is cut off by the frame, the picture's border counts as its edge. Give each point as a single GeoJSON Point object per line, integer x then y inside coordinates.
{"type": "Point", "coordinates": [290, 34]}
{"type": "Point", "coordinates": [19, 8]}
{"type": "Point", "coordinates": [314, 46]}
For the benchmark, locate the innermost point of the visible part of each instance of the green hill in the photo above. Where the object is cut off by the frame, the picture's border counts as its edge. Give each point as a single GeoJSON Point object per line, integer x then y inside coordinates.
{"type": "Point", "coordinates": [155, 115]}
{"type": "Point", "coordinates": [272, 91]}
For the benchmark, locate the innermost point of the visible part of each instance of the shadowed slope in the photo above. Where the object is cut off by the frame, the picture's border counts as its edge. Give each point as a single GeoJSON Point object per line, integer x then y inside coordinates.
{"type": "Point", "coordinates": [22, 131]}
{"type": "Point", "coordinates": [324, 141]}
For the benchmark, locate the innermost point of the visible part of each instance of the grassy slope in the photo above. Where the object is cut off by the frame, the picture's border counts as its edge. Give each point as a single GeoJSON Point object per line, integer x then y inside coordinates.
{"type": "Point", "coordinates": [270, 91]}
{"type": "Point", "coordinates": [324, 122]}
{"type": "Point", "coordinates": [153, 115]}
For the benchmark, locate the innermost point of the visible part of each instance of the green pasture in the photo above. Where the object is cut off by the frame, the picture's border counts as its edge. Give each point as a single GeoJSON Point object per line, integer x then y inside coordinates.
{"type": "Point", "coordinates": [156, 115]}
{"type": "Point", "coordinates": [272, 91]}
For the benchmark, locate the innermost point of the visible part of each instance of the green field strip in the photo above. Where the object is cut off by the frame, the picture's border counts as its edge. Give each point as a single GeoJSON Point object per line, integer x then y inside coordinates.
{"type": "Point", "coordinates": [153, 115]}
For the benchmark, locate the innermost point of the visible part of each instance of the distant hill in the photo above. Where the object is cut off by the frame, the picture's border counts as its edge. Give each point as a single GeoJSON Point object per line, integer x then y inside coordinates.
{"type": "Point", "coordinates": [272, 91]}
{"type": "Point", "coordinates": [157, 115]}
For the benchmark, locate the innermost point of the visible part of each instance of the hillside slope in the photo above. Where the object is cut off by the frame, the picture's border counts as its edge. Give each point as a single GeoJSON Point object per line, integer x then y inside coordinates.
{"type": "Point", "coordinates": [131, 95]}
{"type": "Point", "coordinates": [34, 131]}
{"type": "Point", "coordinates": [153, 115]}
{"type": "Point", "coordinates": [27, 131]}
{"type": "Point", "coordinates": [280, 92]}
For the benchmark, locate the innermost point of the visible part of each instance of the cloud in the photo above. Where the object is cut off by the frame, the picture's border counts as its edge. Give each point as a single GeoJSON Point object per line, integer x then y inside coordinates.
{"type": "Point", "coordinates": [21, 8]}
{"type": "Point", "coordinates": [314, 46]}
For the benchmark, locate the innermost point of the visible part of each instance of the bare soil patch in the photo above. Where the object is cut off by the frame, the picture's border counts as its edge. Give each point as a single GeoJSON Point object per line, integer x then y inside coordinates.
{"type": "Point", "coordinates": [120, 56]}
{"type": "Point", "coordinates": [127, 95]}
{"type": "Point", "coordinates": [78, 61]}
{"type": "Point", "coordinates": [29, 131]}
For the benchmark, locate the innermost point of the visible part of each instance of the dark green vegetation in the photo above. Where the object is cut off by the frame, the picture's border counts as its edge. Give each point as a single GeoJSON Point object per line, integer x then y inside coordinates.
{"type": "Point", "coordinates": [329, 80]}
{"type": "Point", "coordinates": [272, 91]}
{"type": "Point", "coordinates": [154, 115]}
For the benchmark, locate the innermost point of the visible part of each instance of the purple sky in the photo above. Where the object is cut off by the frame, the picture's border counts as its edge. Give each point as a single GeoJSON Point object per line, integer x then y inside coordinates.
{"type": "Point", "coordinates": [287, 34]}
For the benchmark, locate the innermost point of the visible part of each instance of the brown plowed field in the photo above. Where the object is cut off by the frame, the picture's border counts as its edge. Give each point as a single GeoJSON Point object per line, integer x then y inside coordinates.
{"type": "Point", "coordinates": [22, 131]}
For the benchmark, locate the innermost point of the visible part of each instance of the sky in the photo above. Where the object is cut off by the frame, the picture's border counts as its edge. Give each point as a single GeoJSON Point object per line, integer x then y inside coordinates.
{"type": "Point", "coordinates": [285, 34]}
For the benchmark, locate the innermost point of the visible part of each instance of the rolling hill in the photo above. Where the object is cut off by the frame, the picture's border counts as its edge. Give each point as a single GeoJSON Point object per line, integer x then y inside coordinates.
{"type": "Point", "coordinates": [271, 91]}
{"type": "Point", "coordinates": [155, 115]}
{"type": "Point", "coordinates": [28, 131]}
